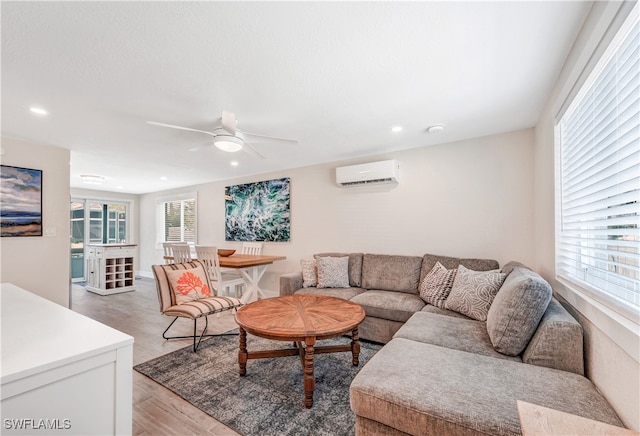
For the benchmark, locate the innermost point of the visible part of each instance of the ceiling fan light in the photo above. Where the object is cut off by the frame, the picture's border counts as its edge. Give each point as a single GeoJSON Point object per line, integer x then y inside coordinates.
{"type": "Point", "coordinates": [228, 143]}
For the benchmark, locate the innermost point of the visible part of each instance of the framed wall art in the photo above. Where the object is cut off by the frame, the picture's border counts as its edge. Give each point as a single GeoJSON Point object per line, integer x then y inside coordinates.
{"type": "Point", "coordinates": [20, 201]}
{"type": "Point", "coordinates": [258, 211]}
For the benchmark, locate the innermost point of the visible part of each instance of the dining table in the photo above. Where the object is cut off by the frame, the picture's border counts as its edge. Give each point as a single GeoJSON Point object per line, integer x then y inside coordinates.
{"type": "Point", "coordinates": [251, 268]}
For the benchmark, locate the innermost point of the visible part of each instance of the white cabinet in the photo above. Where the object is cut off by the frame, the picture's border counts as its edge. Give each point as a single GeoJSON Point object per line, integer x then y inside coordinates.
{"type": "Point", "coordinates": [61, 372]}
{"type": "Point", "coordinates": [110, 268]}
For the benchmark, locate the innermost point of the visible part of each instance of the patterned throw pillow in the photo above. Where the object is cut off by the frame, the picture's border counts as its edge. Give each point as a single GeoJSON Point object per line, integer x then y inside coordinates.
{"type": "Point", "coordinates": [437, 284]}
{"type": "Point", "coordinates": [473, 292]}
{"type": "Point", "coordinates": [189, 284]}
{"type": "Point", "coordinates": [333, 272]}
{"type": "Point", "coordinates": [309, 273]}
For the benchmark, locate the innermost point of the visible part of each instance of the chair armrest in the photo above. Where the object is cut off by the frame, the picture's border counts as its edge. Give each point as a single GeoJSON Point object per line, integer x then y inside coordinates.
{"type": "Point", "coordinates": [290, 283]}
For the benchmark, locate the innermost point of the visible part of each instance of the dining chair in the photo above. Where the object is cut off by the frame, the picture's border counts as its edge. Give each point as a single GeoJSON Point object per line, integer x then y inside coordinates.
{"type": "Point", "coordinates": [222, 282]}
{"type": "Point", "coordinates": [198, 306]}
{"type": "Point", "coordinates": [181, 253]}
{"type": "Point", "coordinates": [167, 252]}
{"type": "Point", "coordinates": [254, 248]}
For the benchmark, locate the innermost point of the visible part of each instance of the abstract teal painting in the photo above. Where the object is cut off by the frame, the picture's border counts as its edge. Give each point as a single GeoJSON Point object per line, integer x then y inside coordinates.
{"type": "Point", "coordinates": [258, 211]}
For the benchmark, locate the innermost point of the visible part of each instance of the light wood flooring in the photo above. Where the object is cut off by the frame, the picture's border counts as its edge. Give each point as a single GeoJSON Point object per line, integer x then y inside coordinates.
{"type": "Point", "coordinates": [156, 410]}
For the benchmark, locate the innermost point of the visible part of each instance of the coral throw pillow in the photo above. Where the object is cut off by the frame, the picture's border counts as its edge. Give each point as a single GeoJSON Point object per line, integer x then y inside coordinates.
{"type": "Point", "coordinates": [189, 284]}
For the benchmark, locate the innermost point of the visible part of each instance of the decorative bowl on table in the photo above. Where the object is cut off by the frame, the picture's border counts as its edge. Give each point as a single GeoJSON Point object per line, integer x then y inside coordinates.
{"type": "Point", "coordinates": [225, 252]}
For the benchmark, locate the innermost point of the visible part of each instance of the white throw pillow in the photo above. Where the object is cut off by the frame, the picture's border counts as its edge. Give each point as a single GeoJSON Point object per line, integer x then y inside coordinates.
{"type": "Point", "coordinates": [473, 292]}
{"type": "Point", "coordinates": [309, 273]}
{"type": "Point", "coordinates": [436, 285]}
{"type": "Point", "coordinates": [333, 272]}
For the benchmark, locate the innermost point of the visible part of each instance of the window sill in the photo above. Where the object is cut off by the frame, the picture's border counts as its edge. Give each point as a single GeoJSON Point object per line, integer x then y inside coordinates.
{"type": "Point", "coordinates": [620, 329]}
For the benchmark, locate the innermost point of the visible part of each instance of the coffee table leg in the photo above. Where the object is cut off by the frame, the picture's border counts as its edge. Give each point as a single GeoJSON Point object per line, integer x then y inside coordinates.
{"type": "Point", "coordinates": [242, 354]}
{"type": "Point", "coordinates": [309, 378]}
{"type": "Point", "coordinates": [355, 347]}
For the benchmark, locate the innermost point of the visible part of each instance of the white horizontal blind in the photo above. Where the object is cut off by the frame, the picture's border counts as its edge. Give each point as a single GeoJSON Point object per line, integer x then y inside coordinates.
{"type": "Point", "coordinates": [180, 221]}
{"type": "Point", "coordinates": [598, 243]}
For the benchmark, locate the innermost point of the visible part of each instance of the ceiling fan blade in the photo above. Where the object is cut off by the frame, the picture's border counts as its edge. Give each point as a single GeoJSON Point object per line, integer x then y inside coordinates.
{"type": "Point", "coordinates": [272, 138]}
{"type": "Point", "coordinates": [198, 147]}
{"type": "Point", "coordinates": [180, 128]}
{"type": "Point", "coordinates": [251, 149]}
{"type": "Point", "coordinates": [229, 122]}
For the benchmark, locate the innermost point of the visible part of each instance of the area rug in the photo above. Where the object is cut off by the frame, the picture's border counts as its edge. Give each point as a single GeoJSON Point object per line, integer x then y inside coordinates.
{"type": "Point", "coordinates": [269, 399]}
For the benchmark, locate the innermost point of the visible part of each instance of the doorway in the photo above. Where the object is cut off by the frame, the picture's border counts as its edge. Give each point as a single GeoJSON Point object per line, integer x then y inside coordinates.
{"type": "Point", "coordinates": [95, 222]}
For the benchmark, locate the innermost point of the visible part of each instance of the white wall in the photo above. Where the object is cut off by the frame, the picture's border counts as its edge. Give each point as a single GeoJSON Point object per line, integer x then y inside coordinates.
{"type": "Point", "coordinates": [40, 264]}
{"type": "Point", "coordinates": [471, 198]}
{"type": "Point", "coordinates": [611, 343]}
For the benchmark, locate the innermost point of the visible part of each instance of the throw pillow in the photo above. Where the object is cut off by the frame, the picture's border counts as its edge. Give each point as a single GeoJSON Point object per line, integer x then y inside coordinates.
{"type": "Point", "coordinates": [333, 272]}
{"type": "Point", "coordinates": [517, 310]}
{"type": "Point", "coordinates": [189, 284]}
{"type": "Point", "coordinates": [309, 273]}
{"type": "Point", "coordinates": [473, 292]}
{"type": "Point", "coordinates": [436, 285]}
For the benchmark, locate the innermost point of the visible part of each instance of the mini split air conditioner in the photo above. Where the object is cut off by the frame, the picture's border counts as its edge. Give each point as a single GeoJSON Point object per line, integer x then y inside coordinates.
{"type": "Point", "coordinates": [387, 171]}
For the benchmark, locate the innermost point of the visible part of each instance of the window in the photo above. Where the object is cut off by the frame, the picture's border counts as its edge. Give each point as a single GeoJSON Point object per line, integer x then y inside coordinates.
{"type": "Point", "coordinates": [598, 243]}
{"type": "Point", "coordinates": [178, 220]}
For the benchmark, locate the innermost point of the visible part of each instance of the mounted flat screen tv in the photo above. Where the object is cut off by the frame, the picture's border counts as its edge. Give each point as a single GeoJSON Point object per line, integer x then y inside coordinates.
{"type": "Point", "coordinates": [20, 201]}
{"type": "Point", "coordinates": [258, 211]}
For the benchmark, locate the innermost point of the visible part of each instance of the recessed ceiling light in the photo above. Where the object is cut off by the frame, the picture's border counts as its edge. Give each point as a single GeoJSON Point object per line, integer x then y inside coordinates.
{"type": "Point", "coordinates": [38, 110]}
{"type": "Point", "coordinates": [92, 179]}
{"type": "Point", "coordinates": [119, 187]}
{"type": "Point", "coordinates": [396, 129]}
{"type": "Point", "coordinates": [163, 178]}
{"type": "Point", "coordinates": [234, 163]}
{"type": "Point", "coordinates": [435, 128]}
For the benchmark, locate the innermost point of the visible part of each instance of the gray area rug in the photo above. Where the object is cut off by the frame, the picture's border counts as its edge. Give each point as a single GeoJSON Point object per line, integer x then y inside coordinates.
{"type": "Point", "coordinates": [269, 400]}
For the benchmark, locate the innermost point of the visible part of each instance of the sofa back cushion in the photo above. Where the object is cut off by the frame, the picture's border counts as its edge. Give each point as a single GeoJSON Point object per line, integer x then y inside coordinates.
{"type": "Point", "coordinates": [430, 260]}
{"type": "Point", "coordinates": [558, 341]}
{"type": "Point", "coordinates": [516, 310]}
{"type": "Point", "coordinates": [391, 272]}
{"type": "Point", "coordinates": [355, 266]}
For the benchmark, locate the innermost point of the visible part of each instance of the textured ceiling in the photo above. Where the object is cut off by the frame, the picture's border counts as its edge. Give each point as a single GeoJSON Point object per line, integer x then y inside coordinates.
{"type": "Point", "coordinates": [336, 76]}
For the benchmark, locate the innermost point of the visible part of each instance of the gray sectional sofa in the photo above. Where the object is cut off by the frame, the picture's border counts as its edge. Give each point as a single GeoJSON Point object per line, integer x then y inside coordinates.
{"type": "Point", "coordinates": [442, 372]}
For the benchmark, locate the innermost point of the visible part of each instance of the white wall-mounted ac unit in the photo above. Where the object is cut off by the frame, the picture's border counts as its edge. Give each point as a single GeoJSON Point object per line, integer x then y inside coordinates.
{"type": "Point", "coordinates": [387, 171]}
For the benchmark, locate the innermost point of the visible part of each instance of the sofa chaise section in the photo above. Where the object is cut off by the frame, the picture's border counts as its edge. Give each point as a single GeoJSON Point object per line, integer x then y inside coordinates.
{"type": "Point", "coordinates": [416, 388]}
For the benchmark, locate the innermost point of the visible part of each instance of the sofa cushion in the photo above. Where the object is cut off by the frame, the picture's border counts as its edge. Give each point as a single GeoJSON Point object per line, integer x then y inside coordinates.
{"type": "Point", "coordinates": [516, 310]}
{"type": "Point", "coordinates": [344, 293]}
{"type": "Point", "coordinates": [355, 266]}
{"type": "Point", "coordinates": [557, 343]}
{"type": "Point", "coordinates": [333, 272]}
{"type": "Point", "coordinates": [429, 261]}
{"type": "Point", "coordinates": [420, 388]}
{"type": "Point", "coordinates": [394, 306]}
{"type": "Point", "coordinates": [473, 292]}
{"type": "Point", "coordinates": [436, 286]}
{"type": "Point", "coordinates": [433, 309]}
{"type": "Point", "coordinates": [391, 272]}
{"type": "Point", "coordinates": [309, 273]}
{"type": "Point", "coordinates": [508, 267]}
{"type": "Point", "coordinates": [458, 334]}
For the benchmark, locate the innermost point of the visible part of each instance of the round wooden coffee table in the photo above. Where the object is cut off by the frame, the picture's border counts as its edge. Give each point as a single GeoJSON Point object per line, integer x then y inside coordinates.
{"type": "Point", "coordinates": [303, 320]}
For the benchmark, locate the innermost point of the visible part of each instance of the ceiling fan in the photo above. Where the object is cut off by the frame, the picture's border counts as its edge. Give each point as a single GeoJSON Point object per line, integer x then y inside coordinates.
{"type": "Point", "coordinates": [226, 136]}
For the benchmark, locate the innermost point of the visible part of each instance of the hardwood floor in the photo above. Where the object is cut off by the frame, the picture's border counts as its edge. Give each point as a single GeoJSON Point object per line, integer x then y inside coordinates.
{"type": "Point", "coordinates": [156, 410]}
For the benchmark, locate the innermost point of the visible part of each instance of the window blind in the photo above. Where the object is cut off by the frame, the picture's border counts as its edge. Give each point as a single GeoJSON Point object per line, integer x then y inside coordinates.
{"type": "Point", "coordinates": [598, 244]}
{"type": "Point", "coordinates": [180, 221]}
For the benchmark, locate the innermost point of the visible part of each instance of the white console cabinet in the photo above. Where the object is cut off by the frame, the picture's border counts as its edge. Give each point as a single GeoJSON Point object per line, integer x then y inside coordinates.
{"type": "Point", "coordinates": [110, 268]}
{"type": "Point", "coordinates": [61, 372]}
